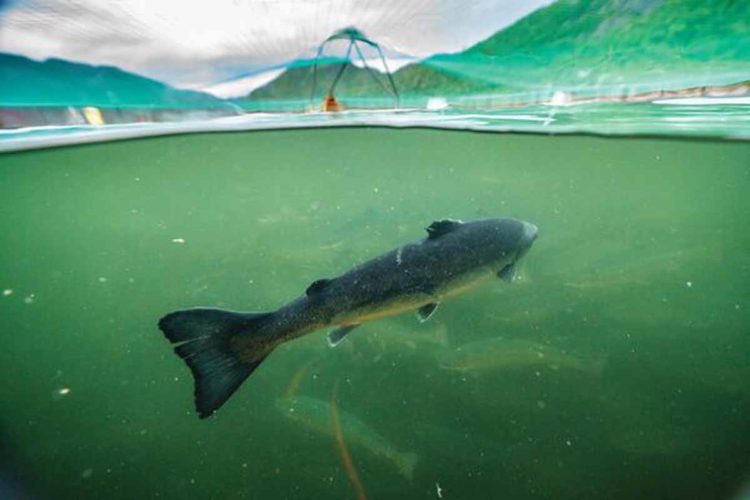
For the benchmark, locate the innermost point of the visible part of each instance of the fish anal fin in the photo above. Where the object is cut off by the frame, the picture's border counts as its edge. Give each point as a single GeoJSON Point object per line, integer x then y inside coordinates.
{"type": "Point", "coordinates": [337, 335]}
{"type": "Point", "coordinates": [316, 287]}
{"type": "Point", "coordinates": [442, 227]}
{"type": "Point", "coordinates": [424, 312]}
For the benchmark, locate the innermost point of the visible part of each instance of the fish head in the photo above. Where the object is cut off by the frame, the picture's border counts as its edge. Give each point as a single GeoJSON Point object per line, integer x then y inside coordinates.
{"type": "Point", "coordinates": [529, 234]}
{"type": "Point", "coordinates": [511, 240]}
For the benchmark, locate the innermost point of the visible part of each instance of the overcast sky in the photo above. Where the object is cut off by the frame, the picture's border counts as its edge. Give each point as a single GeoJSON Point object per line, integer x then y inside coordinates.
{"type": "Point", "coordinates": [199, 44]}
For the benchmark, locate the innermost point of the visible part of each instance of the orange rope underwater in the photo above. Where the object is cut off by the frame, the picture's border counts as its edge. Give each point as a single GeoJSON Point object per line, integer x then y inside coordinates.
{"type": "Point", "coordinates": [294, 382]}
{"type": "Point", "coordinates": [346, 457]}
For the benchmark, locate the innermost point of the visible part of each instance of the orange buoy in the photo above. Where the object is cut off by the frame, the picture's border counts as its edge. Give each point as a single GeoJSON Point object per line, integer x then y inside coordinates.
{"type": "Point", "coordinates": [331, 104]}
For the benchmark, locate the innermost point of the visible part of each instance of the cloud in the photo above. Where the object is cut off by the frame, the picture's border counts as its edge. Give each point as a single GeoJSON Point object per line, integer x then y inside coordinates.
{"type": "Point", "coordinates": [204, 44]}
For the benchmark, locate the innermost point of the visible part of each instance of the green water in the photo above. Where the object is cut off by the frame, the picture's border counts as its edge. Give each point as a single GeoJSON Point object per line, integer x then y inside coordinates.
{"type": "Point", "coordinates": [641, 267]}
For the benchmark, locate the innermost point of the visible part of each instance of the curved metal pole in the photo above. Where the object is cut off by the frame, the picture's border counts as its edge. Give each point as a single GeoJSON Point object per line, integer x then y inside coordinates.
{"type": "Point", "coordinates": [390, 77]}
{"type": "Point", "coordinates": [342, 69]}
{"type": "Point", "coordinates": [369, 70]}
{"type": "Point", "coordinates": [315, 76]}
{"type": "Point", "coordinates": [352, 43]}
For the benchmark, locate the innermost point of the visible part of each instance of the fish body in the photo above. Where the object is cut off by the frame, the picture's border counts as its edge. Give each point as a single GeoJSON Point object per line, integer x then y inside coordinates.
{"type": "Point", "coordinates": [317, 415]}
{"type": "Point", "coordinates": [498, 353]}
{"type": "Point", "coordinates": [223, 347]}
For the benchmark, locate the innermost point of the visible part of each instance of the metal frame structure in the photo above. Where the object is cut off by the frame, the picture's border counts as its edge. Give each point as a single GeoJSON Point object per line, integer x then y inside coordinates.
{"type": "Point", "coordinates": [354, 36]}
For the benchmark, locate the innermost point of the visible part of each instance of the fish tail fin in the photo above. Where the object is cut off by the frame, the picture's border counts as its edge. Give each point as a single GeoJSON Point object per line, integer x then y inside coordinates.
{"type": "Point", "coordinates": [406, 463]}
{"type": "Point", "coordinates": [202, 337]}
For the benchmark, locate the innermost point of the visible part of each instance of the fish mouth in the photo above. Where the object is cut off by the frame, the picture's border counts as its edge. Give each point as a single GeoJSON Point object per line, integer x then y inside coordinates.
{"type": "Point", "coordinates": [528, 236]}
{"type": "Point", "coordinates": [530, 232]}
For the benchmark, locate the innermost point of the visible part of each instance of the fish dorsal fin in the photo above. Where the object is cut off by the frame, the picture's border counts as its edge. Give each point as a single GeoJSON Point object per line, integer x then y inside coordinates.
{"type": "Point", "coordinates": [316, 287]}
{"type": "Point", "coordinates": [442, 227]}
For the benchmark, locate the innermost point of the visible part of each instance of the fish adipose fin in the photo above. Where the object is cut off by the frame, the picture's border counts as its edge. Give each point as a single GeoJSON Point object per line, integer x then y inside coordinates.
{"type": "Point", "coordinates": [202, 337]}
{"type": "Point", "coordinates": [442, 227]}
{"type": "Point", "coordinates": [507, 273]}
{"type": "Point", "coordinates": [424, 312]}
{"type": "Point", "coordinates": [336, 336]}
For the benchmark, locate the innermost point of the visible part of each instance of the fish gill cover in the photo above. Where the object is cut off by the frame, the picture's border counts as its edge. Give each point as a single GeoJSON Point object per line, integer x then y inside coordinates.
{"type": "Point", "coordinates": [601, 66]}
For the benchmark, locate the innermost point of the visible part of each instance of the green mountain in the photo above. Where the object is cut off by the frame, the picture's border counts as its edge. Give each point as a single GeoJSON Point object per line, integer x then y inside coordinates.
{"type": "Point", "coordinates": [590, 27]}
{"type": "Point", "coordinates": [586, 46]}
{"type": "Point", "coordinates": [606, 43]}
{"type": "Point", "coordinates": [55, 82]}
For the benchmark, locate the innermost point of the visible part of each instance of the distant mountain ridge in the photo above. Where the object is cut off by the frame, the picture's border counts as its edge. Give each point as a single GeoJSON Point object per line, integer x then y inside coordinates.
{"type": "Point", "coordinates": [356, 82]}
{"type": "Point", "coordinates": [56, 82]}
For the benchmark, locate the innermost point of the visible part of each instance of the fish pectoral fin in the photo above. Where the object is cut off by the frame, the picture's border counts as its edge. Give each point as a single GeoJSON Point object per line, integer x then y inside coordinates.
{"type": "Point", "coordinates": [337, 335]}
{"type": "Point", "coordinates": [316, 287]}
{"type": "Point", "coordinates": [424, 312]}
{"type": "Point", "coordinates": [442, 227]}
{"type": "Point", "coordinates": [507, 273]}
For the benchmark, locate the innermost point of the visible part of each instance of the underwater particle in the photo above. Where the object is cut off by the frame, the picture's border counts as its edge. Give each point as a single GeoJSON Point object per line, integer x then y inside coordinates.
{"type": "Point", "coordinates": [102, 279]}
{"type": "Point", "coordinates": [7, 292]}
{"type": "Point", "coordinates": [29, 299]}
{"type": "Point", "coordinates": [178, 240]}
{"type": "Point", "coordinates": [541, 404]}
{"type": "Point", "coordinates": [87, 473]}
{"type": "Point", "coordinates": [375, 190]}
{"type": "Point", "coordinates": [689, 284]}
{"type": "Point", "coordinates": [438, 490]}
{"type": "Point", "coordinates": [569, 442]}
{"type": "Point", "coordinates": [60, 393]}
